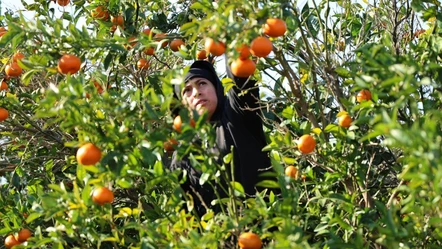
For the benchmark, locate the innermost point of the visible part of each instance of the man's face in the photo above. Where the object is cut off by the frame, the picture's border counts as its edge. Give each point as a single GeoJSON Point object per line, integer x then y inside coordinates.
{"type": "Point", "coordinates": [200, 95]}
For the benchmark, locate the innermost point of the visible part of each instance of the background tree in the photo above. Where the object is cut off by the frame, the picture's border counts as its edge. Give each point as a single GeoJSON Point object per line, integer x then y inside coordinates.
{"type": "Point", "coordinates": [351, 104]}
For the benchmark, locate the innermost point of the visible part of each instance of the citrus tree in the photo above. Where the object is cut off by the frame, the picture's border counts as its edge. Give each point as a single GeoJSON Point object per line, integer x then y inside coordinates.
{"type": "Point", "coordinates": [351, 102]}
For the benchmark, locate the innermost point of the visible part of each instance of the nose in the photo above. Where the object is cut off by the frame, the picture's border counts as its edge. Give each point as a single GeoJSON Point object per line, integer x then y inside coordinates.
{"type": "Point", "coordinates": [195, 92]}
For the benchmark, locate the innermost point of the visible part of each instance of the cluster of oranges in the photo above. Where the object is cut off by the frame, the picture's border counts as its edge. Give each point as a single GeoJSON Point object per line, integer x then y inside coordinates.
{"type": "Point", "coordinates": [345, 120]}
{"type": "Point", "coordinates": [12, 69]}
{"type": "Point", "coordinates": [261, 46]}
{"type": "Point", "coordinates": [88, 155]}
{"type": "Point", "coordinates": [22, 236]}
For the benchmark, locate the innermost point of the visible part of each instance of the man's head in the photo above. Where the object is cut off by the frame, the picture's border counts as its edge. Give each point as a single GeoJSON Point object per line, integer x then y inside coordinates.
{"type": "Point", "coordinates": [202, 90]}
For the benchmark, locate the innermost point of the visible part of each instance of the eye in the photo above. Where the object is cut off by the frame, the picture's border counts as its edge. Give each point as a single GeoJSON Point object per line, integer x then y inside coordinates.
{"type": "Point", "coordinates": [186, 90]}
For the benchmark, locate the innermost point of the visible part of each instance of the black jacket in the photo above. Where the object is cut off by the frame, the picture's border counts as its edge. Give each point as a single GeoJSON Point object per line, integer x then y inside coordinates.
{"type": "Point", "coordinates": [238, 124]}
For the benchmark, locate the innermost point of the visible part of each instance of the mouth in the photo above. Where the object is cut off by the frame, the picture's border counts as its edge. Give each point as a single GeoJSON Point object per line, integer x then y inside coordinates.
{"type": "Point", "coordinates": [200, 103]}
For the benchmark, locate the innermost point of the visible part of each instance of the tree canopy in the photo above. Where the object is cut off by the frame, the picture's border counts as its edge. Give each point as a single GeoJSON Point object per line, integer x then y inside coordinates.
{"type": "Point", "coordinates": [351, 102]}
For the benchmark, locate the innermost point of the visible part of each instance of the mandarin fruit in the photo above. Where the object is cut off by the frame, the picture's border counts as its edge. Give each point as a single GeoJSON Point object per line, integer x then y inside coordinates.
{"type": "Point", "coordinates": [261, 46]}
{"type": "Point", "coordinates": [249, 240]}
{"type": "Point", "coordinates": [88, 154]}
{"type": "Point", "coordinates": [275, 27]}
{"type": "Point", "coordinates": [243, 68]}
{"type": "Point", "coordinates": [102, 196]}
{"type": "Point", "coordinates": [69, 63]}
{"type": "Point", "coordinates": [306, 144]}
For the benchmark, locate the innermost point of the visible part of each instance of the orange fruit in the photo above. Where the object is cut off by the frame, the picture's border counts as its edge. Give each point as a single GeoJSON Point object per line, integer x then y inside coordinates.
{"type": "Point", "coordinates": [275, 27]}
{"type": "Point", "coordinates": [249, 241]}
{"type": "Point", "coordinates": [243, 68]}
{"type": "Point", "coordinates": [4, 114]}
{"type": "Point", "coordinates": [168, 145]}
{"type": "Point", "coordinates": [88, 154]}
{"type": "Point", "coordinates": [345, 121]}
{"type": "Point", "coordinates": [201, 55]}
{"type": "Point", "coordinates": [99, 87]}
{"type": "Point", "coordinates": [291, 171]}
{"type": "Point", "coordinates": [132, 42]}
{"type": "Point", "coordinates": [24, 235]}
{"type": "Point", "coordinates": [69, 63]}
{"type": "Point", "coordinates": [146, 31]}
{"type": "Point", "coordinates": [63, 2]}
{"type": "Point", "coordinates": [176, 44]}
{"type": "Point", "coordinates": [113, 28]}
{"type": "Point", "coordinates": [13, 69]}
{"type": "Point", "coordinates": [363, 95]}
{"type": "Point", "coordinates": [306, 144]}
{"type": "Point", "coordinates": [177, 123]}
{"type": "Point", "coordinates": [4, 86]}
{"type": "Point", "coordinates": [244, 51]}
{"type": "Point", "coordinates": [101, 13]}
{"type": "Point", "coordinates": [117, 20]}
{"type": "Point", "coordinates": [161, 37]}
{"type": "Point", "coordinates": [17, 56]}
{"type": "Point", "coordinates": [149, 51]}
{"type": "Point", "coordinates": [10, 241]}
{"type": "Point", "coordinates": [261, 46]}
{"type": "Point", "coordinates": [3, 31]}
{"type": "Point", "coordinates": [143, 64]}
{"type": "Point", "coordinates": [102, 196]}
{"type": "Point", "coordinates": [216, 48]}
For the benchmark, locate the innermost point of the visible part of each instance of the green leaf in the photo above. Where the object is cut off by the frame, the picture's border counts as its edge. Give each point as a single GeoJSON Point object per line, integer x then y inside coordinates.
{"type": "Point", "coordinates": [268, 184]}
{"type": "Point", "coordinates": [343, 72]}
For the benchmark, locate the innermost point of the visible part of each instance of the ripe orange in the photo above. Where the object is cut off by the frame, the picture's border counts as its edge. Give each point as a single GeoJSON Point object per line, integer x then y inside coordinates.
{"type": "Point", "coordinates": [244, 51]}
{"type": "Point", "coordinates": [249, 241]}
{"type": "Point", "coordinates": [10, 241]}
{"type": "Point", "coordinates": [363, 95]}
{"type": "Point", "coordinates": [177, 123]}
{"type": "Point", "coordinates": [275, 27]}
{"type": "Point", "coordinates": [69, 63]}
{"type": "Point", "coordinates": [291, 171]}
{"type": "Point", "coordinates": [345, 121]}
{"type": "Point", "coordinates": [132, 42]}
{"type": "Point", "coordinates": [168, 145]}
{"type": "Point", "coordinates": [201, 55]}
{"type": "Point", "coordinates": [146, 32]}
{"type": "Point", "coordinates": [102, 196]}
{"type": "Point", "coordinates": [101, 13]}
{"type": "Point", "coordinates": [3, 31]}
{"type": "Point", "coordinates": [24, 235]}
{"type": "Point", "coordinates": [160, 37]}
{"type": "Point", "coordinates": [13, 70]}
{"type": "Point", "coordinates": [176, 44]}
{"type": "Point", "coordinates": [4, 86]}
{"type": "Point", "coordinates": [216, 48]}
{"type": "Point", "coordinates": [113, 28]}
{"type": "Point", "coordinates": [63, 2]}
{"type": "Point", "coordinates": [243, 68]}
{"type": "Point", "coordinates": [143, 64]}
{"type": "Point", "coordinates": [306, 144]}
{"type": "Point", "coordinates": [99, 87]}
{"type": "Point", "coordinates": [4, 114]}
{"type": "Point", "coordinates": [17, 56]}
{"type": "Point", "coordinates": [117, 20]}
{"type": "Point", "coordinates": [88, 154]}
{"type": "Point", "coordinates": [261, 46]}
{"type": "Point", "coordinates": [149, 51]}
